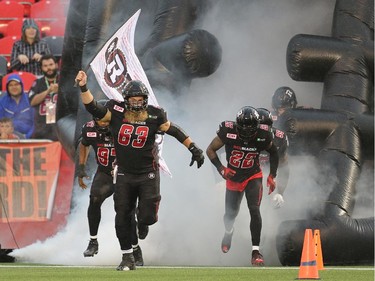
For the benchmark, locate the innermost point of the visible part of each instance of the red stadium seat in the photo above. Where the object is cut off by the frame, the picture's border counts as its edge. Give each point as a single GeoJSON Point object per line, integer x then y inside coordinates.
{"type": "Point", "coordinates": [9, 11]}
{"type": "Point", "coordinates": [26, 5]}
{"type": "Point", "coordinates": [47, 10]}
{"type": "Point", "coordinates": [15, 28]}
{"type": "Point", "coordinates": [28, 79]}
{"type": "Point", "coordinates": [6, 45]}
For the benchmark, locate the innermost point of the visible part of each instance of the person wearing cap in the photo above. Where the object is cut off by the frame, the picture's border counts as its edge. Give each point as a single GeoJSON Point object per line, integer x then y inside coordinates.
{"type": "Point", "coordinates": [27, 52]}
{"type": "Point", "coordinates": [15, 104]}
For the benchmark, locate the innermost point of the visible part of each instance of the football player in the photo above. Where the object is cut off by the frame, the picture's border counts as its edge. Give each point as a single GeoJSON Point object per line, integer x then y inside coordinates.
{"type": "Point", "coordinates": [134, 124]}
{"type": "Point", "coordinates": [243, 141]}
{"type": "Point", "coordinates": [96, 134]}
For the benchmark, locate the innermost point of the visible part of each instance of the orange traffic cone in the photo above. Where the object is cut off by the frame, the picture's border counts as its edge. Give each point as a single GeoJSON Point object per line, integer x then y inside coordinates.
{"type": "Point", "coordinates": [318, 250]}
{"type": "Point", "coordinates": [308, 269]}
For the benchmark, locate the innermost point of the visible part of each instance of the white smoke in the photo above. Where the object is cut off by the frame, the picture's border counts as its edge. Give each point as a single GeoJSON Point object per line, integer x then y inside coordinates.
{"type": "Point", "coordinates": [254, 36]}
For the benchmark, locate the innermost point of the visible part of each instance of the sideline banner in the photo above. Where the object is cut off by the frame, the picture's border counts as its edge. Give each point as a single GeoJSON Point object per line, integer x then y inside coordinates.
{"type": "Point", "coordinates": [28, 181]}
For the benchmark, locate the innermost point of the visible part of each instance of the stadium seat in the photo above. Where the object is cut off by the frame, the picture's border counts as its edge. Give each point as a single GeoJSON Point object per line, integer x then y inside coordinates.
{"type": "Point", "coordinates": [15, 28]}
{"type": "Point", "coordinates": [26, 5]}
{"type": "Point", "coordinates": [28, 79]}
{"type": "Point", "coordinates": [47, 10]}
{"type": "Point", "coordinates": [3, 66]}
{"type": "Point", "coordinates": [6, 45]}
{"type": "Point", "coordinates": [54, 28]}
{"type": "Point", "coordinates": [55, 44]}
{"type": "Point", "coordinates": [9, 11]}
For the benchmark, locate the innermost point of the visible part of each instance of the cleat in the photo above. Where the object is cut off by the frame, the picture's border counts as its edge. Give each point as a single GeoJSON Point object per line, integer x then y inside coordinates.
{"type": "Point", "coordinates": [137, 253]}
{"type": "Point", "coordinates": [92, 248]}
{"type": "Point", "coordinates": [127, 263]}
{"type": "Point", "coordinates": [142, 231]}
{"type": "Point", "coordinates": [257, 258]}
{"type": "Point", "coordinates": [227, 241]}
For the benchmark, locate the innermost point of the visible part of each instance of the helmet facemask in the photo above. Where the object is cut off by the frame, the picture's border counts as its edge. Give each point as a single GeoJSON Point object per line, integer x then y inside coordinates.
{"type": "Point", "coordinates": [247, 122]}
{"type": "Point", "coordinates": [133, 89]}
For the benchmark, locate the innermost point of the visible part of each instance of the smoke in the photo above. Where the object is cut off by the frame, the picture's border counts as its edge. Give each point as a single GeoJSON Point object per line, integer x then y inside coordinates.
{"type": "Point", "coordinates": [254, 37]}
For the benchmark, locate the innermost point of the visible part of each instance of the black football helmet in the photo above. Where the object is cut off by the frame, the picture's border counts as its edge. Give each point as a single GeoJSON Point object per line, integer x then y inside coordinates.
{"type": "Point", "coordinates": [101, 129]}
{"type": "Point", "coordinates": [247, 122]}
{"type": "Point", "coordinates": [284, 97]}
{"type": "Point", "coordinates": [135, 88]}
{"type": "Point", "coordinates": [265, 116]}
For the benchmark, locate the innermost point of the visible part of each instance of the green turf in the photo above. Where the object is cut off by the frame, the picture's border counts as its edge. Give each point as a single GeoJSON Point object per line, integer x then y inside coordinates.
{"type": "Point", "coordinates": [56, 273]}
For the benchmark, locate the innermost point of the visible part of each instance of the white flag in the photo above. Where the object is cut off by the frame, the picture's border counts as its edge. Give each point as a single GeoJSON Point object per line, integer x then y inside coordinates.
{"type": "Point", "coordinates": [116, 64]}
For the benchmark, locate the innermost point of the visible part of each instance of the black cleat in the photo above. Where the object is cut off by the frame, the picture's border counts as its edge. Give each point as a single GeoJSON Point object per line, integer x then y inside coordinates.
{"type": "Point", "coordinates": [142, 231]}
{"type": "Point", "coordinates": [138, 257]}
{"type": "Point", "coordinates": [257, 258]}
{"type": "Point", "coordinates": [92, 248]}
{"type": "Point", "coordinates": [127, 263]}
{"type": "Point", "coordinates": [227, 241]}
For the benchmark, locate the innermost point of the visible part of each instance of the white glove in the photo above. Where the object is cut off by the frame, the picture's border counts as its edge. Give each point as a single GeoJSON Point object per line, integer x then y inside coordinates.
{"type": "Point", "coordinates": [277, 200]}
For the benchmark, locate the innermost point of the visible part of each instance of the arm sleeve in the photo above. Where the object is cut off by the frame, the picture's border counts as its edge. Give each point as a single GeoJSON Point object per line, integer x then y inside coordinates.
{"type": "Point", "coordinates": [96, 109]}
{"type": "Point", "coordinates": [175, 131]}
{"type": "Point", "coordinates": [274, 159]}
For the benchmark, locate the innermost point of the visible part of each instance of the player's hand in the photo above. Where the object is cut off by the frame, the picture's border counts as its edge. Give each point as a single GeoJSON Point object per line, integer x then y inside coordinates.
{"type": "Point", "coordinates": [81, 78]}
{"type": "Point", "coordinates": [271, 183]}
{"type": "Point", "coordinates": [197, 155]}
{"type": "Point", "coordinates": [227, 173]}
{"type": "Point", "coordinates": [81, 174]}
{"type": "Point", "coordinates": [277, 200]}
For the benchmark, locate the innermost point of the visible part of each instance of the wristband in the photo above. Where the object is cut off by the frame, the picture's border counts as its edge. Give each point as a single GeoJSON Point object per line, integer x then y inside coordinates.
{"type": "Point", "coordinates": [216, 163]}
{"type": "Point", "coordinates": [84, 88]}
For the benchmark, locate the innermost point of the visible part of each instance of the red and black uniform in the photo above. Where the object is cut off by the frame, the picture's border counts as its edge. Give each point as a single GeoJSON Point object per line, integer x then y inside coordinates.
{"type": "Point", "coordinates": [43, 130]}
{"type": "Point", "coordinates": [138, 171]}
{"type": "Point", "coordinates": [243, 157]}
{"type": "Point", "coordinates": [102, 185]}
{"type": "Point", "coordinates": [281, 142]}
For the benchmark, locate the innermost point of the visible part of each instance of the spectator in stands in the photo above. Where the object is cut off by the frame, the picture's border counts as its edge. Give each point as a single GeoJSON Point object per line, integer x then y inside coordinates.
{"type": "Point", "coordinates": [14, 104]}
{"type": "Point", "coordinates": [27, 52]}
{"type": "Point", "coordinates": [7, 129]}
{"type": "Point", "coordinates": [43, 98]}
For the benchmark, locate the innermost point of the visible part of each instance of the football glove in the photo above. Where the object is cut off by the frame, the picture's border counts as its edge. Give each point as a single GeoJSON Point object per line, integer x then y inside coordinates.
{"type": "Point", "coordinates": [271, 183]}
{"type": "Point", "coordinates": [81, 174]}
{"type": "Point", "coordinates": [226, 173]}
{"type": "Point", "coordinates": [277, 200]}
{"type": "Point", "coordinates": [197, 155]}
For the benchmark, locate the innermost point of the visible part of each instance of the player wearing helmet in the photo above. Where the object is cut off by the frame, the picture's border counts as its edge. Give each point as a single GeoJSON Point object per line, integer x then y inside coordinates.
{"type": "Point", "coordinates": [281, 141]}
{"type": "Point", "coordinates": [283, 98]}
{"type": "Point", "coordinates": [134, 124]}
{"type": "Point", "coordinates": [243, 141]}
{"type": "Point", "coordinates": [96, 134]}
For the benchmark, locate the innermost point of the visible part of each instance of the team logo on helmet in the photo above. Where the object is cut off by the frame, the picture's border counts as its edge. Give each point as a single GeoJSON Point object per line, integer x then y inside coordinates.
{"type": "Point", "coordinates": [116, 71]}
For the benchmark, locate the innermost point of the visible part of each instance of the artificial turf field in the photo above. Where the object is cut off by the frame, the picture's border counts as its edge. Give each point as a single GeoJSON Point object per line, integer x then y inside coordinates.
{"type": "Point", "coordinates": [31, 272]}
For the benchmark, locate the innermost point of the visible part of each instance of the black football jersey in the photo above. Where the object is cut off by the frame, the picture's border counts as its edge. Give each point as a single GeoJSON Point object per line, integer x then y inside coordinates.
{"type": "Point", "coordinates": [135, 142]}
{"type": "Point", "coordinates": [241, 156]}
{"type": "Point", "coordinates": [280, 140]}
{"type": "Point", "coordinates": [102, 143]}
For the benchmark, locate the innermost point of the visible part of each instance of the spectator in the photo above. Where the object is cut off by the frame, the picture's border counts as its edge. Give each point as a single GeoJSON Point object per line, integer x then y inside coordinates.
{"type": "Point", "coordinates": [7, 129]}
{"type": "Point", "coordinates": [27, 52]}
{"type": "Point", "coordinates": [43, 98]}
{"type": "Point", "coordinates": [15, 105]}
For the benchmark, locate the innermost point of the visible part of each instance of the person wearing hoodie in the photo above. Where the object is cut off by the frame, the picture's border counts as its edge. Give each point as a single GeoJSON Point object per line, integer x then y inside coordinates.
{"type": "Point", "coordinates": [14, 104]}
{"type": "Point", "coordinates": [27, 52]}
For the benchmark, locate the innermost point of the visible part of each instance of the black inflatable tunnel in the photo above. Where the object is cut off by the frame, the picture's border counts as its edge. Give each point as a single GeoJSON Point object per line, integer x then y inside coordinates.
{"type": "Point", "coordinates": [342, 132]}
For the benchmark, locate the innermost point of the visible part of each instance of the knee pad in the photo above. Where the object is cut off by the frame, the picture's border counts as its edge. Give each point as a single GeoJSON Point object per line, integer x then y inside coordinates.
{"type": "Point", "coordinates": [148, 210]}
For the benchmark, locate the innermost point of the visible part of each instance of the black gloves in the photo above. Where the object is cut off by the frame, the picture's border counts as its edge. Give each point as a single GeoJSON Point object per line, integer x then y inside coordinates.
{"type": "Point", "coordinates": [197, 155]}
{"type": "Point", "coordinates": [80, 171]}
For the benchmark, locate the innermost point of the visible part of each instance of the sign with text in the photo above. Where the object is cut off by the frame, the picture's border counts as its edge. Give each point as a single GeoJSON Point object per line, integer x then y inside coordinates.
{"type": "Point", "coordinates": [28, 181]}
